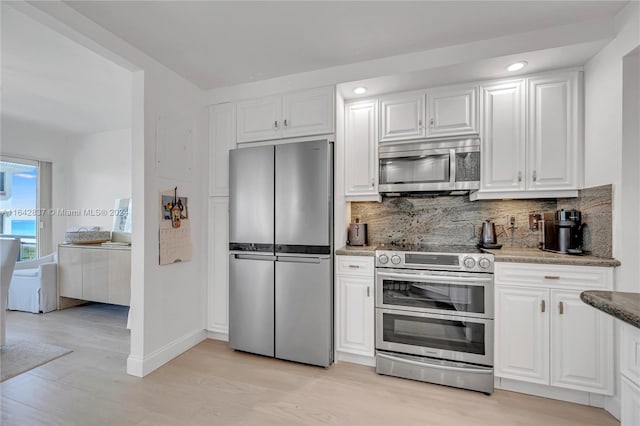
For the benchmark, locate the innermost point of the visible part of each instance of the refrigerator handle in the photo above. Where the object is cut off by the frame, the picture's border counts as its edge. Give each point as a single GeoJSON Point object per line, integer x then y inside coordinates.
{"type": "Point", "coordinates": [254, 257]}
{"type": "Point", "coordinates": [296, 259]}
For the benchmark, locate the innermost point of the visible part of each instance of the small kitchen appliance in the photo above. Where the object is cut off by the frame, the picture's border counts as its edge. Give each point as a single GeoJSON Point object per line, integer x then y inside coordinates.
{"type": "Point", "coordinates": [488, 237]}
{"type": "Point", "coordinates": [434, 315]}
{"type": "Point", "coordinates": [563, 231]}
{"type": "Point", "coordinates": [357, 234]}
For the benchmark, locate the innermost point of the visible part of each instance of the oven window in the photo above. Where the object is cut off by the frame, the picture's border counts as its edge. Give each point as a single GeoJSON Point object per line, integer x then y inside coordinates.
{"type": "Point", "coordinates": [451, 335]}
{"type": "Point", "coordinates": [429, 169]}
{"type": "Point", "coordinates": [433, 295]}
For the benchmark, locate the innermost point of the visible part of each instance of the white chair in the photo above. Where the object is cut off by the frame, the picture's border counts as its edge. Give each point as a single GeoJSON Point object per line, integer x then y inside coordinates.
{"type": "Point", "coordinates": [9, 248]}
{"type": "Point", "coordinates": [34, 285]}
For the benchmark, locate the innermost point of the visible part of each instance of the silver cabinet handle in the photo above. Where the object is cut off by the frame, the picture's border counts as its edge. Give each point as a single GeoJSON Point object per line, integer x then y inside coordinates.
{"type": "Point", "coordinates": [551, 277]}
{"type": "Point", "coordinates": [285, 123]}
{"type": "Point", "coordinates": [519, 177]}
{"type": "Point", "coordinates": [373, 183]}
{"type": "Point", "coordinates": [420, 124]}
{"type": "Point", "coordinates": [368, 291]}
{"type": "Point", "coordinates": [354, 266]}
{"type": "Point", "coordinates": [431, 122]}
{"type": "Point", "coordinates": [561, 308]}
{"type": "Point", "coordinates": [543, 306]}
{"type": "Point", "coordinates": [535, 176]}
{"type": "Point", "coordinates": [275, 124]}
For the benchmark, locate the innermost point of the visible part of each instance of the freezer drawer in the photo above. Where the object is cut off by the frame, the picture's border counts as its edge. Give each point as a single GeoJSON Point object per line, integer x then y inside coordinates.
{"type": "Point", "coordinates": [251, 324]}
{"type": "Point", "coordinates": [304, 195]}
{"type": "Point", "coordinates": [251, 199]}
{"type": "Point", "coordinates": [304, 310]}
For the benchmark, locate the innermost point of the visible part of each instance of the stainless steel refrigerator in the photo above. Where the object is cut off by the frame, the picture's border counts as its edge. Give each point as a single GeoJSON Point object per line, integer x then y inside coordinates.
{"type": "Point", "coordinates": [281, 245]}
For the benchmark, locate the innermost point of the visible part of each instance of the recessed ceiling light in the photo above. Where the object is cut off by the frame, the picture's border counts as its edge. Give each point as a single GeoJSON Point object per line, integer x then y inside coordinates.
{"type": "Point", "coordinates": [517, 66]}
{"type": "Point", "coordinates": [360, 90]}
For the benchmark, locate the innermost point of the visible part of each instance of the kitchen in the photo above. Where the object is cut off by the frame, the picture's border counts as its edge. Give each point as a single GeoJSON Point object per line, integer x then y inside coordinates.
{"type": "Point", "coordinates": [419, 170]}
{"type": "Point", "coordinates": [570, 111]}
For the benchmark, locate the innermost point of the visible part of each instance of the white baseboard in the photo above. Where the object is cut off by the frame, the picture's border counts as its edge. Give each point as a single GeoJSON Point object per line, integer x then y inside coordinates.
{"type": "Point", "coordinates": [569, 395]}
{"type": "Point", "coordinates": [140, 367]}
{"type": "Point", "coordinates": [218, 335]}
{"type": "Point", "coordinates": [356, 358]}
{"type": "Point", "coordinates": [613, 405]}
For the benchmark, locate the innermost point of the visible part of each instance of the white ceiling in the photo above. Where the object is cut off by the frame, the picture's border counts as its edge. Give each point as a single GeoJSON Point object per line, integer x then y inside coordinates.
{"type": "Point", "coordinates": [52, 82]}
{"type": "Point", "coordinates": [217, 44]}
{"type": "Point", "coordinates": [537, 61]}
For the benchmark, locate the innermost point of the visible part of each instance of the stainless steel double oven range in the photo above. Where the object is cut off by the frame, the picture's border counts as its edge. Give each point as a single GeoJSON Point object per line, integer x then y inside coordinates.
{"type": "Point", "coordinates": [434, 315]}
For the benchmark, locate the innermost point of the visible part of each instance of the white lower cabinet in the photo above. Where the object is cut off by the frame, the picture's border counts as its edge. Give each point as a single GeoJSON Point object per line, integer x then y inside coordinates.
{"type": "Point", "coordinates": [355, 309]}
{"type": "Point", "coordinates": [545, 334]}
{"type": "Point", "coordinates": [630, 369]}
{"type": "Point", "coordinates": [218, 286]}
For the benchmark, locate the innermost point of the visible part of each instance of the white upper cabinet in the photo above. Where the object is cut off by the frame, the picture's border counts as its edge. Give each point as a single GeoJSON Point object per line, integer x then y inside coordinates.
{"type": "Point", "coordinates": [402, 116]}
{"type": "Point", "coordinates": [361, 151]}
{"type": "Point", "coordinates": [452, 111]}
{"type": "Point", "coordinates": [222, 138]}
{"type": "Point", "coordinates": [533, 150]}
{"type": "Point", "coordinates": [554, 148]}
{"type": "Point", "coordinates": [308, 113]}
{"type": "Point", "coordinates": [259, 119]}
{"type": "Point", "coordinates": [502, 114]}
{"type": "Point", "coordinates": [304, 113]}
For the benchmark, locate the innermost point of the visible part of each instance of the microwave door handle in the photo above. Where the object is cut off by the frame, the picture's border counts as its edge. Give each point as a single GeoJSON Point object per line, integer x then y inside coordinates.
{"type": "Point", "coordinates": [452, 168]}
{"type": "Point", "coordinates": [435, 279]}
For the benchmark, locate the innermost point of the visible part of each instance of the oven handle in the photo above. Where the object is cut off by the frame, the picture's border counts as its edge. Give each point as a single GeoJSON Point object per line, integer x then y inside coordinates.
{"type": "Point", "coordinates": [441, 367]}
{"type": "Point", "coordinates": [435, 278]}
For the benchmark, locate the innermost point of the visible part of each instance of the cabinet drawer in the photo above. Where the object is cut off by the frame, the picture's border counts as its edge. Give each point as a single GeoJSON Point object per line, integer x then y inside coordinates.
{"type": "Point", "coordinates": [557, 276]}
{"type": "Point", "coordinates": [355, 265]}
{"type": "Point", "coordinates": [630, 352]}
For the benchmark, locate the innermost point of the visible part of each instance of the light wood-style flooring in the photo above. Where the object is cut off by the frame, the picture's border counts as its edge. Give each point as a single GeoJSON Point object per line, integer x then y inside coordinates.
{"type": "Point", "coordinates": [213, 385]}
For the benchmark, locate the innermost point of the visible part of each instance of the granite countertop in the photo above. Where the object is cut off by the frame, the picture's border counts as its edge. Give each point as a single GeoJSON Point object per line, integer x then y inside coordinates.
{"type": "Point", "coordinates": [356, 251]}
{"type": "Point", "coordinates": [532, 255]}
{"type": "Point", "coordinates": [624, 306]}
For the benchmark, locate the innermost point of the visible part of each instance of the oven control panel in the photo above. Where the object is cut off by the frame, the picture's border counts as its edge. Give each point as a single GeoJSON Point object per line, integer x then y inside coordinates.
{"type": "Point", "coordinates": [468, 262]}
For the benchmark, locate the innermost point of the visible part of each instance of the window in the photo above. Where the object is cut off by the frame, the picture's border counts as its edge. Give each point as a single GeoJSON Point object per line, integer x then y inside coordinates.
{"type": "Point", "coordinates": [19, 203]}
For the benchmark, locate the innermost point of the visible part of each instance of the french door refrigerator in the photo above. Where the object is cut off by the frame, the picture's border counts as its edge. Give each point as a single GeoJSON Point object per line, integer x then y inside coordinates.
{"type": "Point", "coordinates": [280, 251]}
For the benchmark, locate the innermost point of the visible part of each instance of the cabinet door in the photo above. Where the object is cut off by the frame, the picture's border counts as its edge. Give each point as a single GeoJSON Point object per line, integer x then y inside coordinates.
{"type": "Point", "coordinates": [259, 119]}
{"type": "Point", "coordinates": [451, 111]}
{"type": "Point", "coordinates": [218, 315]}
{"type": "Point", "coordinates": [70, 272]}
{"type": "Point", "coordinates": [554, 151]}
{"type": "Point", "coordinates": [361, 149]}
{"type": "Point", "coordinates": [119, 277]}
{"type": "Point", "coordinates": [630, 409]}
{"type": "Point", "coordinates": [581, 344]}
{"type": "Point", "coordinates": [308, 113]}
{"type": "Point", "coordinates": [402, 116]}
{"type": "Point", "coordinates": [94, 275]}
{"type": "Point", "coordinates": [503, 136]}
{"type": "Point", "coordinates": [522, 334]}
{"type": "Point", "coordinates": [356, 315]}
{"type": "Point", "coordinates": [222, 138]}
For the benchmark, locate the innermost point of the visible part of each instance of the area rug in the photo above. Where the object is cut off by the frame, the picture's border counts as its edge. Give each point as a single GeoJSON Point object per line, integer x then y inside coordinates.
{"type": "Point", "coordinates": [21, 355]}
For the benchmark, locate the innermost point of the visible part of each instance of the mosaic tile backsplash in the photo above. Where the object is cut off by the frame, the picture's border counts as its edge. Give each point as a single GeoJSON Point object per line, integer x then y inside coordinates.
{"type": "Point", "coordinates": [456, 220]}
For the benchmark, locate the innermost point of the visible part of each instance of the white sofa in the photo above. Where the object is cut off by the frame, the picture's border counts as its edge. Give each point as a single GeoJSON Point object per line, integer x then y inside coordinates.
{"type": "Point", "coordinates": [34, 285]}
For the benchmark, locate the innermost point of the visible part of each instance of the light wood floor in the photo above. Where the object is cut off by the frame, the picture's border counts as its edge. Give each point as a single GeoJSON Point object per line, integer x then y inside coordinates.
{"type": "Point", "coordinates": [210, 384]}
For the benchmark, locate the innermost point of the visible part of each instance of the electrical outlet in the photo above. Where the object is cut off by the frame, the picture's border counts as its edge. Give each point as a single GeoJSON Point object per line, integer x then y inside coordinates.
{"type": "Point", "coordinates": [511, 220]}
{"type": "Point", "coordinates": [533, 221]}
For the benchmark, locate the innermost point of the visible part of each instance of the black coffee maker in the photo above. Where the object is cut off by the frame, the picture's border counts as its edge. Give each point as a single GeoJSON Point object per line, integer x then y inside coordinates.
{"type": "Point", "coordinates": [563, 232]}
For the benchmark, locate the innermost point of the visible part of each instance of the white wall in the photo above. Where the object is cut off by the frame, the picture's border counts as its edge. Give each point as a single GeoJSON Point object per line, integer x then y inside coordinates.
{"type": "Point", "coordinates": [26, 140]}
{"type": "Point", "coordinates": [603, 127]}
{"type": "Point", "coordinates": [98, 172]}
{"type": "Point", "coordinates": [168, 311]}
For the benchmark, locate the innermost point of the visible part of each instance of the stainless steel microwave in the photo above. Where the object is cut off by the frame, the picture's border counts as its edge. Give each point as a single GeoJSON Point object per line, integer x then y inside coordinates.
{"type": "Point", "coordinates": [444, 165]}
